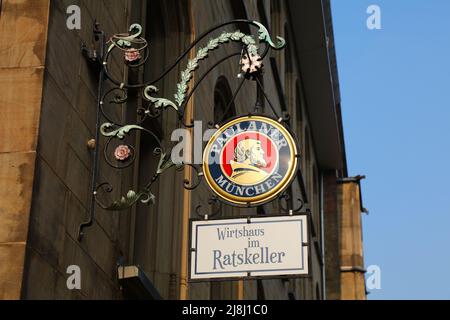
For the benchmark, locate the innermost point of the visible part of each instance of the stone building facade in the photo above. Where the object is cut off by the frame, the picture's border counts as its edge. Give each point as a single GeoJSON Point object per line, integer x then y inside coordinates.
{"type": "Point", "coordinates": [48, 114]}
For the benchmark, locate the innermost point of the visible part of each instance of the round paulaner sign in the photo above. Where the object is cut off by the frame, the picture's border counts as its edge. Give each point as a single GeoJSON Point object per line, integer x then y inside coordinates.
{"type": "Point", "coordinates": [250, 160]}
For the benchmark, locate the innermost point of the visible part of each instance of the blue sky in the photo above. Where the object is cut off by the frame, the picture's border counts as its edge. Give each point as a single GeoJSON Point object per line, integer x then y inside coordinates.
{"type": "Point", "coordinates": [395, 87]}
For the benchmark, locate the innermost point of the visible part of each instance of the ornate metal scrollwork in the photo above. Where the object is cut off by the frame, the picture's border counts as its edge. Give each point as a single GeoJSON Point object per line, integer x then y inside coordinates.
{"type": "Point", "coordinates": [134, 50]}
{"type": "Point", "coordinates": [145, 196]}
{"type": "Point", "coordinates": [217, 207]}
{"type": "Point", "coordinates": [191, 185]}
{"type": "Point", "coordinates": [284, 200]}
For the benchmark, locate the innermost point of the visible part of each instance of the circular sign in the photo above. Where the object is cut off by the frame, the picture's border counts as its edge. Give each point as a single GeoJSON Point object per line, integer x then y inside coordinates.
{"type": "Point", "coordinates": [250, 160]}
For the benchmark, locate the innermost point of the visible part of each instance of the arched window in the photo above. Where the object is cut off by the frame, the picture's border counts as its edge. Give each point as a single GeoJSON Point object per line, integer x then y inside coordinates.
{"type": "Point", "coordinates": [223, 107]}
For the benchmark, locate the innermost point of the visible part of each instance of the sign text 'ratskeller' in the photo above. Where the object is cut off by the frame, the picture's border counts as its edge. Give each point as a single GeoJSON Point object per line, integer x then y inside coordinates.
{"type": "Point", "coordinates": [238, 248]}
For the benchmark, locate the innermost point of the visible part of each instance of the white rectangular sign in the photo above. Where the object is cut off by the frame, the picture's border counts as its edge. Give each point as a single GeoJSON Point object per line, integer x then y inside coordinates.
{"type": "Point", "coordinates": [238, 248]}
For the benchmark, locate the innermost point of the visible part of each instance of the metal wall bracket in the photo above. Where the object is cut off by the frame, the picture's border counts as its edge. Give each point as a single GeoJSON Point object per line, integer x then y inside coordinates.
{"type": "Point", "coordinates": [135, 53]}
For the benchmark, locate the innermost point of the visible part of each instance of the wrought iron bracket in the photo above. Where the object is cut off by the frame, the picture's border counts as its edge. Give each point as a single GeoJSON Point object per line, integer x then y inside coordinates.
{"type": "Point", "coordinates": [94, 54]}
{"type": "Point", "coordinates": [134, 52]}
{"type": "Point", "coordinates": [90, 54]}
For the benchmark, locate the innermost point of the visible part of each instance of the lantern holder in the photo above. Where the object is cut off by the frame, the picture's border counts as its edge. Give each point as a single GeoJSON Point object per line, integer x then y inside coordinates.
{"type": "Point", "coordinates": [113, 92]}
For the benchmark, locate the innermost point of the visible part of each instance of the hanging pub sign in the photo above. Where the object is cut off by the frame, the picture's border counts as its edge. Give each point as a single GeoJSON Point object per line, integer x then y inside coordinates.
{"type": "Point", "coordinates": [250, 160]}
{"type": "Point", "coordinates": [249, 248]}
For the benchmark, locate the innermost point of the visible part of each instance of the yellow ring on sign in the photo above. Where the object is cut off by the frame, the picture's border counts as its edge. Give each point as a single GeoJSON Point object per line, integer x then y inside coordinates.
{"type": "Point", "coordinates": [264, 197]}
